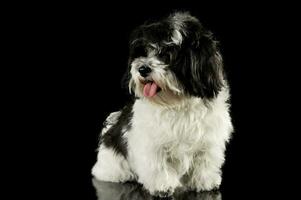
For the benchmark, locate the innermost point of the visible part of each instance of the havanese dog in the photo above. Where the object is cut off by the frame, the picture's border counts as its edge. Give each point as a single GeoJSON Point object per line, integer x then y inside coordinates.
{"type": "Point", "coordinates": [174, 132]}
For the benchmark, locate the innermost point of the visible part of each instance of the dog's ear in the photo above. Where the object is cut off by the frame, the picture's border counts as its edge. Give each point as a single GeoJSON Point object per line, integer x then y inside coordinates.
{"type": "Point", "coordinates": [202, 65]}
{"type": "Point", "coordinates": [126, 79]}
{"type": "Point", "coordinates": [206, 61]}
{"type": "Point", "coordinates": [136, 49]}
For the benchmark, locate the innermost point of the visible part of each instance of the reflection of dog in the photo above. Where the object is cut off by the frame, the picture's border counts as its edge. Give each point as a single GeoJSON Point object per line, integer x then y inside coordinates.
{"type": "Point", "coordinates": [174, 133]}
{"type": "Point", "coordinates": [132, 191]}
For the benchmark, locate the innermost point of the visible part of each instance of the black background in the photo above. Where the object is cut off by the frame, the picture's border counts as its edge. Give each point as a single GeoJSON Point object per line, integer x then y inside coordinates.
{"type": "Point", "coordinates": [76, 55]}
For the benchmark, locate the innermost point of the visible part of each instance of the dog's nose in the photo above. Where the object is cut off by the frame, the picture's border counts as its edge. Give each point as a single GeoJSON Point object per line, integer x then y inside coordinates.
{"type": "Point", "coordinates": [144, 70]}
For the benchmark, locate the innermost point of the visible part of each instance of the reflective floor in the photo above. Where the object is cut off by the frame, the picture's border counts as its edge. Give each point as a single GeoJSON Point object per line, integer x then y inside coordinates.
{"type": "Point", "coordinates": [133, 191]}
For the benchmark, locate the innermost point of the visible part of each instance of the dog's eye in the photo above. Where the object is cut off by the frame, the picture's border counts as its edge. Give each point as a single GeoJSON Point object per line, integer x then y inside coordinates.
{"type": "Point", "coordinates": [139, 51]}
{"type": "Point", "coordinates": [165, 57]}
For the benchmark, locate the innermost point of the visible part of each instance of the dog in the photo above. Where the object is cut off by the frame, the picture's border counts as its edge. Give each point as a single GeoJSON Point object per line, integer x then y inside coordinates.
{"type": "Point", "coordinates": [174, 132]}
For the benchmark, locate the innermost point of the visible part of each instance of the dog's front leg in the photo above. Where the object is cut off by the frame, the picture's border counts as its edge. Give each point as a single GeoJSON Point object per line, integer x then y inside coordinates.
{"type": "Point", "coordinates": [157, 176]}
{"type": "Point", "coordinates": [206, 172]}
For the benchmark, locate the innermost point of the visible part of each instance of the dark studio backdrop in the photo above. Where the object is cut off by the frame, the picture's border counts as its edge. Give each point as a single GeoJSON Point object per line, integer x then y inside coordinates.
{"type": "Point", "coordinates": [81, 54]}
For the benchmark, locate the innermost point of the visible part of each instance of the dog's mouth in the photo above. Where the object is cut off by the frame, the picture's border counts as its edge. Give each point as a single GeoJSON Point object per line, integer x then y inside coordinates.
{"type": "Point", "coordinates": [150, 88]}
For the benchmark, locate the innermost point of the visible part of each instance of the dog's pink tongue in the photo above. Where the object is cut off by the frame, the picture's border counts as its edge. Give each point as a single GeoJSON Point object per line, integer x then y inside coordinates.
{"type": "Point", "coordinates": [150, 89]}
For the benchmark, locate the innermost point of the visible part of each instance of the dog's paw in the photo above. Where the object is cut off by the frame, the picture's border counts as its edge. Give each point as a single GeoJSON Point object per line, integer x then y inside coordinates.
{"type": "Point", "coordinates": [208, 183]}
{"type": "Point", "coordinates": [163, 194]}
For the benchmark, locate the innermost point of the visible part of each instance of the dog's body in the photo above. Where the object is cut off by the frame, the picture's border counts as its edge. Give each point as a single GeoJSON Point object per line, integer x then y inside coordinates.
{"type": "Point", "coordinates": [174, 133]}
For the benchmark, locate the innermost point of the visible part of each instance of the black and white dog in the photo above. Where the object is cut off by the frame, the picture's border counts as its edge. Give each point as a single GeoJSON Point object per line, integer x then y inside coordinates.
{"type": "Point", "coordinates": [175, 131]}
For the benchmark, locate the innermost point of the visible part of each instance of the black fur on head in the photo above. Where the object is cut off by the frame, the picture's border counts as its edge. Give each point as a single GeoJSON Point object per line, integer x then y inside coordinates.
{"type": "Point", "coordinates": [188, 49]}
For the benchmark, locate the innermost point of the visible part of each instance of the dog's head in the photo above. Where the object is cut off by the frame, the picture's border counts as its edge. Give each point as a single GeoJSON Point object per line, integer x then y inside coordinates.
{"type": "Point", "coordinates": [173, 59]}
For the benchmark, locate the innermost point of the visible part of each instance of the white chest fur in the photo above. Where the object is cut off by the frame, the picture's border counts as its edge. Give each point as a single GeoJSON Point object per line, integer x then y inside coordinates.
{"type": "Point", "coordinates": [175, 135]}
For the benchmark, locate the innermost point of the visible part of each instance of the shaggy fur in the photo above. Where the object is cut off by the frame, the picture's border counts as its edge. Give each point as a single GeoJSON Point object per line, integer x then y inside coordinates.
{"type": "Point", "coordinates": [175, 131]}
